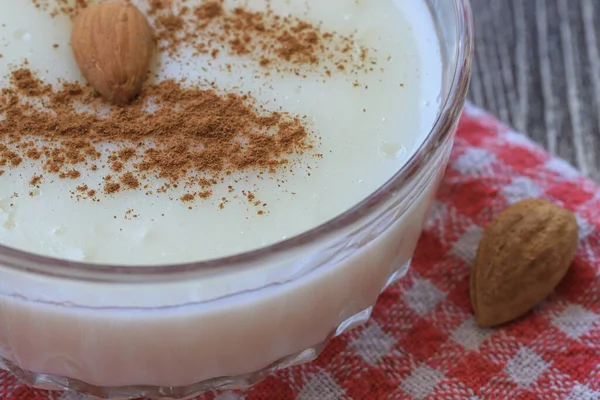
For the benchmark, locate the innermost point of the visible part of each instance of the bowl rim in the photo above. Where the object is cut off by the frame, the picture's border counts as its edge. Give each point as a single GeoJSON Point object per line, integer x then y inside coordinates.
{"type": "Point", "coordinates": [440, 132]}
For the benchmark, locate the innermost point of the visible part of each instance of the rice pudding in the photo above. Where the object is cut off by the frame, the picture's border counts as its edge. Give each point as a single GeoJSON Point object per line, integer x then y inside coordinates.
{"type": "Point", "coordinates": [364, 96]}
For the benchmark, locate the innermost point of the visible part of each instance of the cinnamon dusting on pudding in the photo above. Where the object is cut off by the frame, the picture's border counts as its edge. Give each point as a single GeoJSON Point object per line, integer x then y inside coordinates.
{"type": "Point", "coordinates": [270, 39]}
{"type": "Point", "coordinates": [35, 180]}
{"type": "Point", "coordinates": [189, 135]}
{"type": "Point", "coordinates": [130, 181]}
{"type": "Point", "coordinates": [187, 197]}
{"type": "Point", "coordinates": [279, 42]}
{"type": "Point", "coordinates": [193, 137]}
{"type": "Point", "coordinates": [111, 187]}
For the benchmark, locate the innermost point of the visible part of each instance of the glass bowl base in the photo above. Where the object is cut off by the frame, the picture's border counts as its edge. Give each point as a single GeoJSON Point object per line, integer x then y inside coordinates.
{"type": "Point", "coordinates": [84, 391]}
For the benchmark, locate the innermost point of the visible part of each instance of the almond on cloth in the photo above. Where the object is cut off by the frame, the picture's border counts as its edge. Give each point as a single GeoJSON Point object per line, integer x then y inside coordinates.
{"type": "Point", "coordinates": [523, 254]}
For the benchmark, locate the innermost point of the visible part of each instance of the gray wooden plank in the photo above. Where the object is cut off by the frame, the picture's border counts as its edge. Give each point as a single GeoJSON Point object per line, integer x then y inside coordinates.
{"type": "Point", "coordinates": [537, 67]}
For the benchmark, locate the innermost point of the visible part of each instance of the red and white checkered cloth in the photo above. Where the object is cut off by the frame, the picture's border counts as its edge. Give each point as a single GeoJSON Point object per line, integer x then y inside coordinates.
{"type": "Point", "coordinates": [422, 342]}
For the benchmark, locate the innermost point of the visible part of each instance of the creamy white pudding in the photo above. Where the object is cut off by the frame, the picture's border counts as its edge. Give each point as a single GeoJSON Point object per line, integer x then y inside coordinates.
{"type": "Point", "coordinates": [240, 319]}
{"type": "Point", "coordinates": [366, 133]}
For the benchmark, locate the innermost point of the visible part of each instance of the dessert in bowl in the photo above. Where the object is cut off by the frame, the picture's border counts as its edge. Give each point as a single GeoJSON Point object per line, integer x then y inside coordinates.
{"type": "Point", "coordinates": [269, 181]}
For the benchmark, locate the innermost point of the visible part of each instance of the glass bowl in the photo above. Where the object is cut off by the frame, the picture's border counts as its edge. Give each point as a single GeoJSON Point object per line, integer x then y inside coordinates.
{"type": "Point", "coordinates": [179, 330]}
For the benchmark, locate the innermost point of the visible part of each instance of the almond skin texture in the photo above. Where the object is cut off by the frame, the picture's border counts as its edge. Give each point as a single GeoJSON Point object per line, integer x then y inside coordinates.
{"type": "Point", "coordinates": [523, 254]}
{"type": "Point", "coordinates": [113, 46]}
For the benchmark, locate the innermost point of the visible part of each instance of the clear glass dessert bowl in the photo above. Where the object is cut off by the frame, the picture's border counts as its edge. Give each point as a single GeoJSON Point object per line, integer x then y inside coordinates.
{"type": "Point", "coordinates": [175, 331]}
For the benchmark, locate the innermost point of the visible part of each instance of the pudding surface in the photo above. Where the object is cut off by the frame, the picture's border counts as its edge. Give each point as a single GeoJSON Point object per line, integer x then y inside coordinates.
{"type": "Point", "coordinates": [366, 103]}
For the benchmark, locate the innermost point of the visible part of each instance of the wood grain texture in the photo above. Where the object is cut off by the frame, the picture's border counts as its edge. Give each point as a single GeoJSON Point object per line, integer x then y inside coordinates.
{"type": "Point", "coordinates": [537, 67]}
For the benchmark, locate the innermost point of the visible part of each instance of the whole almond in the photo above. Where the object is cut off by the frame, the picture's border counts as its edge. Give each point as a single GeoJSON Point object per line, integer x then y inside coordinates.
{"type": "Point", "coordinates": [523, 254]}
{"type": "Point", "coordinates": [113, 46]}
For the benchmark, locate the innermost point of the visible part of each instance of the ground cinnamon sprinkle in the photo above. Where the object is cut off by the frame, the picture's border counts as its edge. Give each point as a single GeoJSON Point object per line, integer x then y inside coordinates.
{"type": "Point", "coordinates": [35, 180]}
{"type": "Point", "coordinates": [111, 187]}
{"type": "Point", "coordinates": [188, 135]}
{"type": "Point", "coordinates": [262, 35]}
{"type": "Point", "coordinates": [129, 180]}
{"type": "Point", "coordinates": [71, 174]}
{"type": "Point", "coordinates": [9, 157]}
{"type": "Point", "coordinates": [68, 7]}
{"type": "Point", "coordinates": [34, 154]}
{"type": "Point", "coordinates": [212, 27]}
{"type": "Point", "coordinates": [187, 197]}
{"type": "Point", "coordinates": [195, 136]}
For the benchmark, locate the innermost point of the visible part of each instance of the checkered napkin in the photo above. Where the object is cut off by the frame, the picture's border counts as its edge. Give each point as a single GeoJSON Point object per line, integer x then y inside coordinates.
{"type": "Point", "coordinates": [422, 341]}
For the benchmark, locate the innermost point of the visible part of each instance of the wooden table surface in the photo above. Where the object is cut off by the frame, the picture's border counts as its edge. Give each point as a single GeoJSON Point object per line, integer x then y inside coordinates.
{"type": "Point", "coordinates": [537, 67]}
